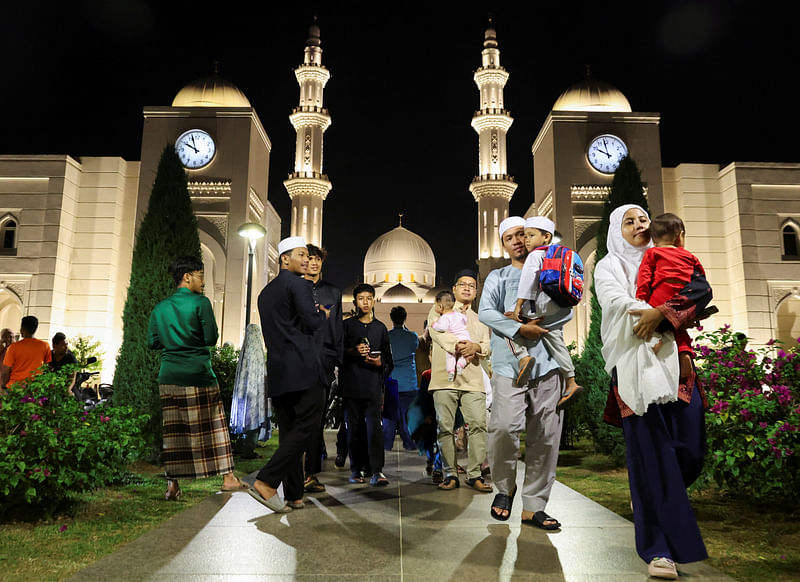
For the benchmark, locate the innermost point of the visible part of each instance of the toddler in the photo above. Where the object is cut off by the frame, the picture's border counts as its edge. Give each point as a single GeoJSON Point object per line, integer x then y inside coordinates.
{"type": "Point", "coordinates": [532, 303]}
{"type": "Point", "coordinates": [456, 323]}
{"type": "Point", "coordinates": [673, 280]}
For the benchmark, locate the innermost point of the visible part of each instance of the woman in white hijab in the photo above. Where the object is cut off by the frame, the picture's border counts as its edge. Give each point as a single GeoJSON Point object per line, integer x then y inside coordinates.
{"type": "Point", "coordinates": [661, 415]}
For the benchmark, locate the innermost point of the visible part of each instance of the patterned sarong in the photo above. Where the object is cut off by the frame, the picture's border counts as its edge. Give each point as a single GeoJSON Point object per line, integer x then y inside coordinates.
{"type": "Point", "coordinates": [196, 441]}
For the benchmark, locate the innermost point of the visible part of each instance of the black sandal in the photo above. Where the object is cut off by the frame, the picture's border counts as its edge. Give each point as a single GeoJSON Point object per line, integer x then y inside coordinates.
{"type": "Point", "coordinates": [451, 482]}
{"type": "Point", "coordinates": [502, 502]}
{"type": "Point", "coordinates": [539, 518]}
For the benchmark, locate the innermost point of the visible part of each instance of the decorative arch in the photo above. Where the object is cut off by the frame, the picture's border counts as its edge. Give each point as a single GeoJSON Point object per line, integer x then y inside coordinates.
{"type": "Point", "coordinates": [10, 308]}
{"type": "Point", "coordinates": [790, 240]}
{"type": "Point", "coordinates": [787, 318]}
{"type": "Point", "coordinates": [214, 265]}
{"type": "Point", "coordinates": [9, 231]}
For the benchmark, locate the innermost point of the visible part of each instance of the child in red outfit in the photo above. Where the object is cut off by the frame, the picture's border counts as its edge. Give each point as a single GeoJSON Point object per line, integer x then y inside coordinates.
{"type": "Point", "coordinates": [671, 274]}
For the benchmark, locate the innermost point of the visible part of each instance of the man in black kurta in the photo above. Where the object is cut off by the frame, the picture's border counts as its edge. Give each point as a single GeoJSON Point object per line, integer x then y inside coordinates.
{"type": "Point", "coordinates": [295, 380]}
{"type": "Point", "coordinates": [367, 362]}
{"type": "Point", "coordinates": [329, 342]}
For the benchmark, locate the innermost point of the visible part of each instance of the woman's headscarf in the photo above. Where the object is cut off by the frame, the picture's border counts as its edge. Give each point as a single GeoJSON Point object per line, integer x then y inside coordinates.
{"type": "Point", "coordinates": [629, 255]}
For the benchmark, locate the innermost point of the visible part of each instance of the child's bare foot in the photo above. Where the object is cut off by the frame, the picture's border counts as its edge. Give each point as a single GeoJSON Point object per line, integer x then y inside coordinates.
{"type": "Point", "coordinates": [526, 365]}
{"type": "Point", "coordinates": [570, 392]}
{"type": "Point", "coordinates": [657, 347]}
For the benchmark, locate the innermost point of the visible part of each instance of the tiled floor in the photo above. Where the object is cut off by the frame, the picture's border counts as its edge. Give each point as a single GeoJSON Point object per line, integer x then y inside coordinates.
{"type": "Point", "coordinates": [409, 531]}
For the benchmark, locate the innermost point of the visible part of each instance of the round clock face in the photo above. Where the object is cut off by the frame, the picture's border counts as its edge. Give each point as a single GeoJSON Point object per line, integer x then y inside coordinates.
{"type": "Point", "coordinates": [606, 152]}
{"type": "Point", "coordinates": [195, 148]}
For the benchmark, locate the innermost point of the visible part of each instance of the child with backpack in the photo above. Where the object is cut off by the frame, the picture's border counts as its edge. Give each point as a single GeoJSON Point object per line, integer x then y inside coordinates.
{"type": "Point", "coordinates": [551, 282]}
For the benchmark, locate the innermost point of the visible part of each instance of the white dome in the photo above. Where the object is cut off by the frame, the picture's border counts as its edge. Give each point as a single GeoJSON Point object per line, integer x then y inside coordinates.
{"type": "Point", "coordinates": [211, 91]}
{"type": "Point", "coordinates": [400, 256]}
{"type": "Point", "coordinates": [592, 95]}
{"type": "Point", "coordinates": [399, 294]}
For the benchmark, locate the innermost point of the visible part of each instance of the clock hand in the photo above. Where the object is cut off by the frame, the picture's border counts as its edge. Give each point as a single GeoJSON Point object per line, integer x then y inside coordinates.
{"type": "Point", "coordinates": [191, 146]}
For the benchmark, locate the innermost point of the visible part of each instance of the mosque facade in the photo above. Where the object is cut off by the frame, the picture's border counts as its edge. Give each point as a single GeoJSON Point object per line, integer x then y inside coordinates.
{"type": "Point", "coordinates": [67, 225]}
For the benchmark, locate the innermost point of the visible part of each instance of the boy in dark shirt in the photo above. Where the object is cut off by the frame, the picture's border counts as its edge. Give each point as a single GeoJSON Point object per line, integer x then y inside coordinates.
{"type": "Point", "coordinates": [367, 362]}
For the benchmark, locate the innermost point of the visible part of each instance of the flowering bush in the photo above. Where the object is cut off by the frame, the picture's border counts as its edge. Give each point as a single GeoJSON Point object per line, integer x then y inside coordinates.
{"type": "Point", "coordinates": [51, 449]}
{"type": "Point", "coordinates": [753, 423]}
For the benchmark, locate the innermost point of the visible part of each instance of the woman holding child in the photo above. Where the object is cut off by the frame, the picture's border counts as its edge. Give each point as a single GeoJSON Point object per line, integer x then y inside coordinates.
{"type": "Point", "coordinates": [661, 410]}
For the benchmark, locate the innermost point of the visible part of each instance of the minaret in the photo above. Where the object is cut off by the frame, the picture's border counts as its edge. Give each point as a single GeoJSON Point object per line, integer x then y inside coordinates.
{"type": "Point", "coordinates": [307, 185]}
{"type": "Point", "coordinates": [492, 187]}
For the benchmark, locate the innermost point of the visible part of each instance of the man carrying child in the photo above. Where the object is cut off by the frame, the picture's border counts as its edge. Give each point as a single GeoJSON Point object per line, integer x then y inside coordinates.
{"type": "Point", "coordinates": [465, 388]}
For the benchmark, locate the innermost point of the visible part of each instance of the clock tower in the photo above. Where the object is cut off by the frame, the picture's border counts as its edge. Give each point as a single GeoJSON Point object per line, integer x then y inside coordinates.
{"type": "Point", "coordinates": [225, 151]}
{"type": "Point", "coordinates": [492, 188]}
{"type": "Point", "coordinates": [589, 130]}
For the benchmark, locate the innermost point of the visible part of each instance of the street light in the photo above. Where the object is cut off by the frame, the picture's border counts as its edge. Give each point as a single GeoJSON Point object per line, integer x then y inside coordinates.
{"type": "Point", "coordinates": [252, 231]}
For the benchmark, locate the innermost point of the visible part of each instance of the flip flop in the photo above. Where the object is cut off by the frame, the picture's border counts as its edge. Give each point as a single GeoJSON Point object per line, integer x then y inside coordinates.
{"type": "Point", "coordinates": [299, 504]}
{"type": "Point", "coordinates": [274, 503]}
{"type": "Point", "coordinates": [538, 520]}
{"type": "Point", "coordinates": [569, 398]}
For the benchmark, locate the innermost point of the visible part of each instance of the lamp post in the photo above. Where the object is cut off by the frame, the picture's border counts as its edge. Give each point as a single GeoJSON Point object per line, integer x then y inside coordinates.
{"type": "Point", "coordinates": [252, 231]}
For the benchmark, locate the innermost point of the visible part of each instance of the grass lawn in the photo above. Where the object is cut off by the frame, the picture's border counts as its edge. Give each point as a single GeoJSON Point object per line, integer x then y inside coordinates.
{"type": "Point", "coordinates": [747, 541]}
{"type": "Point", "coordinates": [105, 519]}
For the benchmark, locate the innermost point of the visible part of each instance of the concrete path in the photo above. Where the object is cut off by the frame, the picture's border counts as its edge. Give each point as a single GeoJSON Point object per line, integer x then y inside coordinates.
{"type": "Point", "coordinates": [406, 532]}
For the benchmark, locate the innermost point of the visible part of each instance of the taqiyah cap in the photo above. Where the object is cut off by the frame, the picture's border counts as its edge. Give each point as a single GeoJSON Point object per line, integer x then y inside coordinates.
{"type": "Point", "coordinates": [511, 222]}
{"type": "Point", "coordinates": [290, 243]}
{"type": "Point", "coordinates": [541, 223]}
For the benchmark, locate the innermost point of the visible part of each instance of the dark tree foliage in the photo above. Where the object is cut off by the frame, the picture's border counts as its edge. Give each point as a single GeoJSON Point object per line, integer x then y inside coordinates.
{"type": "Point", "coordinates": [626, 188]}
{"type": "Point", "coordinates": [168, 230]}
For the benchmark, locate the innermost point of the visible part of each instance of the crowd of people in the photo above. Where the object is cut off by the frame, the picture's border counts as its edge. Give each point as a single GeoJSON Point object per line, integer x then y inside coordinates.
{"type": "Point", "coordinates": [494, 368]}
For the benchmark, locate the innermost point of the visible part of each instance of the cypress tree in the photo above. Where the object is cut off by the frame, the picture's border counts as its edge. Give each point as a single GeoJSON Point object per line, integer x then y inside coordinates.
{"type": "Point", "coordinates": [626, 188]}
{"type": "Point", "coordinates": [168, 230]}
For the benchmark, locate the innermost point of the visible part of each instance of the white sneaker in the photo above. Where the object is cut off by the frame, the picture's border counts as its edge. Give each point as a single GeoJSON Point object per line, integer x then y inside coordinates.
{"type": "Point", "coordinates": [662, 568]}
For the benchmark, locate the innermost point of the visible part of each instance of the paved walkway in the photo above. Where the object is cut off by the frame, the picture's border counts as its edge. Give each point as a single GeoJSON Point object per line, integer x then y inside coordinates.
{"type": "Point", "coordinates": [407, 532]}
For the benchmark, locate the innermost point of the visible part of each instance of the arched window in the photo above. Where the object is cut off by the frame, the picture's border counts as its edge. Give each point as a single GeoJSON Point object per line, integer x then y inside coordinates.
{"type": "Point", "coordinates": [8, 236]}
{"type": "Point", "coordinates": [791, 244]}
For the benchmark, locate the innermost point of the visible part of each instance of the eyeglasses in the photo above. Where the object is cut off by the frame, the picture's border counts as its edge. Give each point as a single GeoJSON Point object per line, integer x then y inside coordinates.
{"type": "Point", "coordinates": [467, 285]}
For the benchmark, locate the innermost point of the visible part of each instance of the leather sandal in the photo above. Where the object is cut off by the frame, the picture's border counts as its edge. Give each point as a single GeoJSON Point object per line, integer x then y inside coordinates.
{"type": "Point", "coordinates": [312, 485]}
{"type": "Point", "coordinates": [450, 482]}
{"type": "Point", "coordinates": [478, 484]}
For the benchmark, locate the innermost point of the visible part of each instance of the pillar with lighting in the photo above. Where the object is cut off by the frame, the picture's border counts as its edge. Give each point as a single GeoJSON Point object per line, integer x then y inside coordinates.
{"type": "Point", "coordinates": [307, 185]}
{"type": "Point", "coordinates": [492, 187]}
{"type": "Point", "coordinates": [252, 231]}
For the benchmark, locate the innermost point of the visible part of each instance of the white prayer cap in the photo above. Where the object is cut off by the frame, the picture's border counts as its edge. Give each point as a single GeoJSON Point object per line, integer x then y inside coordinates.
{"type": "Point", "coordinates": [541, 223]}
{"type": "Point", "coordinates": [510, 222]}
{"type": "Point", "coordinates": [292, 242]}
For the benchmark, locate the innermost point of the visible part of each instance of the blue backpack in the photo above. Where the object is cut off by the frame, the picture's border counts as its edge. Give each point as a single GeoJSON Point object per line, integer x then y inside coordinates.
{"type": "Point", "coordinates": [561, 275]}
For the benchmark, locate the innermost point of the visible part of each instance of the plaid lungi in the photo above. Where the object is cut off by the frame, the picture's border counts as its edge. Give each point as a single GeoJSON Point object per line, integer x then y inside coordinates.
{"type": "Point", "coordinates": [195, 432]}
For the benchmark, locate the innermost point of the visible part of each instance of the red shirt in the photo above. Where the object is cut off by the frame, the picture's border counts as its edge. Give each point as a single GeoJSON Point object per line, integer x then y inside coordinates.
{"type": "Point", "coordinates": [26, 356]}
{"type": "Point", "coordinates": [664, 272]}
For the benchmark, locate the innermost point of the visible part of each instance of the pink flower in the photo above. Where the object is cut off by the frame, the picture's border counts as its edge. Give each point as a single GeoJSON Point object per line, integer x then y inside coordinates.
{"type": "Point", "coordinates": [699, 328]}
{"type": "Point", "coordinates": [770, 342]}
{"type": "Point", "coordinates": [762, 424]}
{"type": "Point", "coordinates": [62, 529]}
{"type": "Point", "coordinates": [788, 452]}
{"type": "Point", "coordinates": [22, 433]}
{"type": "Point", "coordinates": [35, 417]}
{"type": "Point", "coordinates": [47, 472]}
{"type": "Point", "coordinates": [746, 414]}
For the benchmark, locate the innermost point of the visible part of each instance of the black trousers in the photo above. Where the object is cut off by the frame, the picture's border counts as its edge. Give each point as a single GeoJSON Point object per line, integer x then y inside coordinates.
{"type": "Point", "coordinates": [299, 417]}
{"type": "Point", "coordinates": [364, 433]}
{"type": "Point", "coordinates": [313, 463]}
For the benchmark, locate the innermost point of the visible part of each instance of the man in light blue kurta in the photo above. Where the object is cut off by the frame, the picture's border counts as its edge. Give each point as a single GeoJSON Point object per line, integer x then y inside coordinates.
{"type": "Point", "coordinates": [531, 408]}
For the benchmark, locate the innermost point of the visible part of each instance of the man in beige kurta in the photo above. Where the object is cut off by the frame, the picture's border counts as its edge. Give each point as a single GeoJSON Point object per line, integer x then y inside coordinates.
{"type": "Point", "coordinates": [465, 391]}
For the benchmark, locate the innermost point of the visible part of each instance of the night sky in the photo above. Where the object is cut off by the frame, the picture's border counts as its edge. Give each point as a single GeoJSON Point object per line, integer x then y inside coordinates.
{"type": "Point", "coordinates": [723, 75]}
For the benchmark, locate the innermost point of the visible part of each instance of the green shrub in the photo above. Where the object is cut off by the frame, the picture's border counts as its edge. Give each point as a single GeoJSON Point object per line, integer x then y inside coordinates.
{"type": "Point", "coordinates": [84, 347]}
{"type": "Point", "coordinates": [224, 361]}
{"type": "Point", "coordinates": [51, 449]}
{"type": "Point", "coordinates": [752, 425]}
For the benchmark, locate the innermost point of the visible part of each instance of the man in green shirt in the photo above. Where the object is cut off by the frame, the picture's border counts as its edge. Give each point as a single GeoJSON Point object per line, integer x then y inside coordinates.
{"type": "Point", "coordinates": [195, 433]}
